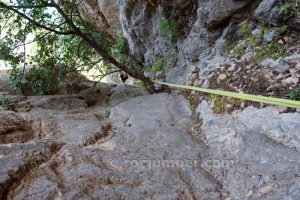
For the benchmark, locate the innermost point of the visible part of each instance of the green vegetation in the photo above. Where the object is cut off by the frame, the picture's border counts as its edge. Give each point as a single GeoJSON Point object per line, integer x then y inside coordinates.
{"type": "Point", "coordinates": [140, 84]}
{"type": "Point", "coordinates": [290, 8]}
{"type": "Point", "coordinates": [63, 39]}
{"type": "Point", "coordinates": [41, 80]}
{"type": "Point", "coordinates": [191, 104]}
{"type": "Point", "coordinates": [158, 65]}
{"type": "Point", "coordinates": [16, 77]}
{"type": "Point", "coordinates": [122, 45]}
{"type": "Point", "coordinates": [107, 114]}
{"type": "Point", "coordinates": [295, 94]}
{"type": "Point", "coordinates": [169, 30]}
{"type": "Point", "coordinates": [239, 50]}
{"type": "Point", "coordinates": [270, 50]}
{"type": "Point", "coordinates": [5, 103]}
{"type": "Point", "coordinates": [219, 103]}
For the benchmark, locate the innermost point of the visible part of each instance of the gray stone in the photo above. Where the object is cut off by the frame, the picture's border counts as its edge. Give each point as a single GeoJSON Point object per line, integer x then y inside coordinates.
{"type": "Point", "coordinates": [255, 150]}
{"type": "Point", "coordinates": [279, 66]}
{"type": "Point", "coordinates": [96, 95]}
{"type": "Point", "coordinates": [256, 32]}
{"type": "Point", "coordinates": [198, 83]}
{"type": "Point", "coordinates": [263, 10]}
{"type": "Point", "coordinates": [290, 81]}
{"type": "Point", "coordinates": [248, 58]}
{"type": "Point", "coordinates": [293, 59]}
{"type": "Point", "coordinates": [269, 36]}
{"type": "Point", "coordinates": [148, 144]}
{"type": "Point", "coordinates": [223, 9]}
{"type": "Point", "coordinates": [232, 68]}
{"type": "Point", "coordinates": [5, 85]}
{"type": "Point", "coordinates": [57, 102]}
{"type": "Point", "coordinates": [222, 77]}
{"type": "Point", "coordinates": [124, 92]}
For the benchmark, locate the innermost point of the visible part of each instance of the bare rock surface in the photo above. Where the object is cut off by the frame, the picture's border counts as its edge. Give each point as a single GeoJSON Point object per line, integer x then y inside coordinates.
{"type": "Point", "coordinates": [263, 146]}
{"type": "Point", "coordinates": [146, 149]}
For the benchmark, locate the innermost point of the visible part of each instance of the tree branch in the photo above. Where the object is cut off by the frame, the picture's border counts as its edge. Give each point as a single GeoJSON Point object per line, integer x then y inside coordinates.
{"type": "Point", "coordinates": [31, 6]}
{"type": "Point", "coordinates": [2, 5]}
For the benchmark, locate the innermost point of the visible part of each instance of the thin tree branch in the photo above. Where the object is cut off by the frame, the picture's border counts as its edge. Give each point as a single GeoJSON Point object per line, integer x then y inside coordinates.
{"type": "Point", "coordinates": [31, 6]}
{"type": "Point", "coordinates": [2, 5]}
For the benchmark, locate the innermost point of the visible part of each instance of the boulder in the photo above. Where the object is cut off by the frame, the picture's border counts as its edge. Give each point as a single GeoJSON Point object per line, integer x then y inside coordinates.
{"type": "Point", "coordinates": [96, 95]}
{"type": "Point", "coordinates": [223, 10]}
{"type": "Point", "coordinates": [124, 92]}
{"type": "Point", "coordinates": [263, 10]}
{"type": "Point", "coordinates": [149, 148]}
{"type": "Point", "coordinates": [56, 102]}
{"type": "Point", "coordinates": [255, 150]}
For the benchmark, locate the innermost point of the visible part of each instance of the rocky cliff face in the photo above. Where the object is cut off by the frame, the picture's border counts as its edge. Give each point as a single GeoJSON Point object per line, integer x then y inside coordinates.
{"type": "Point", "coordinates": [116, 142]}
{"type": "Point", "coordinates": [205, 29]}
{"type": "Point", "coordinates": [104, 144]}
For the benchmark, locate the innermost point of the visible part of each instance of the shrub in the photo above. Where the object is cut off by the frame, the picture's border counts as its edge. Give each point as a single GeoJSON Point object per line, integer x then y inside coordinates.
{"type": "Point", "coordinates": [5, 103]}
{"type": "Point", "coordinates": [270, 50]}
{"type": "Point", "coordinates": [169, 30]}
{"type": "Point", "coordinates": [41, 80]}
{"type": "Point", "coordinates": [158, 66]}
{"type": "Point", "coordinates": [122, 45]}
{"type": "Point", "coordinates": [141, 84]}
{"type": "Point", "coordinates": [290, 8]}
{"type": "Point", "coordinates": [16, 77]}
{"type": "Point", "coordinates": [219, 103]}
{"type": "Point", "coordinates": [295, 94]}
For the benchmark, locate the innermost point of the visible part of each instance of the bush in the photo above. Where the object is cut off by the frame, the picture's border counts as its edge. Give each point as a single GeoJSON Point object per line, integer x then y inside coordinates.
{"type": "Point", "coordinates": [122, 45]}
{"type": "Point", "coordinates": [158, 66]}
{"type": "Point", "coordinates": [220, 104]}
{"type": "Point", "coordinates": [16, 77]}
{"type": "Point", "coordinates": [270, 50]}
{"type": "Point", "coordinates": [5, 103]}
{"type": "Point", "coordinates": [41, 80]}
{"type": "Point", "coordinates": [290, 8]}
{"type": "Point", "coordinates": [295, 94]}
{"type": "Point", "coordinates": [169, 30]}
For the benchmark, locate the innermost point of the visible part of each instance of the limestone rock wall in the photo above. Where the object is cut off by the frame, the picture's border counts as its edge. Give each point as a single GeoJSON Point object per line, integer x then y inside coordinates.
{"type": "Point", "coordinates": [205, 28]}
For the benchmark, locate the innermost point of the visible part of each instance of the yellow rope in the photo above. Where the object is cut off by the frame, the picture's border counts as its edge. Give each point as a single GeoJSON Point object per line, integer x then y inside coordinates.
{"type": "Point", "coordinates": [247, 97]}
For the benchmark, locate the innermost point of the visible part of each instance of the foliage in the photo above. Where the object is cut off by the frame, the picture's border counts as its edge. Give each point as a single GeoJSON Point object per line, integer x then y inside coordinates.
{"type": "Point", "coordinates": [290, 8]}
{"type": "Point", "coordinates": [140, 84]}
{"type": "Point", "coordinates": [246, 29]}
{"type": "Point", "coordinates": [41, 80]}
{"type": "Point", "coordinates": [158, 66]}
{"type": "Point", "coordinates": [5, 103]}
{"type": "Point", "coordinates": [16, 77]}
{"type": "Point", "coordinates": [240, 50]}
{"type": "Point", "coordinates": [191, 105]}
{"type": "Point", "coordinates": [270, 50]}
{"type": "Point", "coordinates": [63, 39]}
{"type": "Point", "coordinates": [122, 45]}
{"type": "Point", "coordinates": [295, 94]}
{"type": "Point", "coordinates": [219, 103]}
{"type": "Point", "coordinates": [169, 30]}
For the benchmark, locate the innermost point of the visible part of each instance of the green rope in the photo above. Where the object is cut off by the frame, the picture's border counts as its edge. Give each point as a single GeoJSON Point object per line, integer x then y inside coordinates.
{"type": "Point", "coordinates": [247, 97]}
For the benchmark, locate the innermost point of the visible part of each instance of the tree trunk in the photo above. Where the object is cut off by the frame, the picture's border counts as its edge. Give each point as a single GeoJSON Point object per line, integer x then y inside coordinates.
{"type": "Point", "coordinates": [133, 73]}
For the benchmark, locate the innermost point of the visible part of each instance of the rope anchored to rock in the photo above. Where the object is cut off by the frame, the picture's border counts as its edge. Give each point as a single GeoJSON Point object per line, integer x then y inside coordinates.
{"type": "Point", "coordinates": [241, 96]}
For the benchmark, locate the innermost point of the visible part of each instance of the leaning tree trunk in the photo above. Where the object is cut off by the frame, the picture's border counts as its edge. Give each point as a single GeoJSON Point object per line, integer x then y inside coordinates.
{"type": "Point", "coordinates": [133, 73]}
{"type": "Point", "coordinates": [105, 55]}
